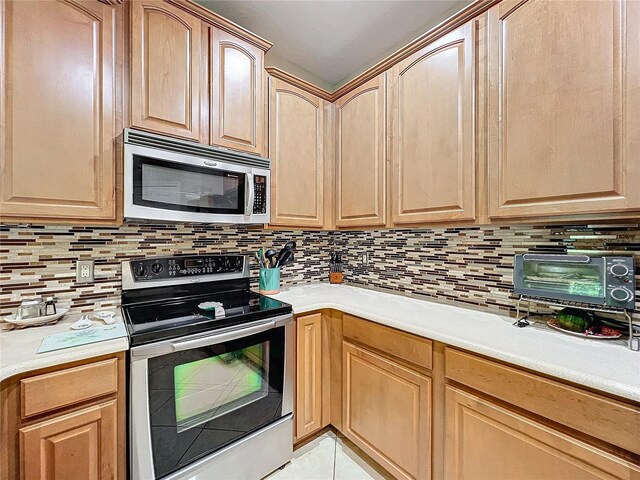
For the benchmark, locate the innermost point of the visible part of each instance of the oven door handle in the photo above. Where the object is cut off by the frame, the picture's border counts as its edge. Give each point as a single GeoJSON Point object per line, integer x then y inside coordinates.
{"type": "Point", "coordinates": [203, 340]}
{"type": "Point", "coordinates": [207, 340]}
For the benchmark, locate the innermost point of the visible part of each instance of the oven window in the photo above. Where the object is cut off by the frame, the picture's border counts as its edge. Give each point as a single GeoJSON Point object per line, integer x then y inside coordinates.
{"type": "Point", "coordinates": [208, 388]}
{"type": "Point", "coordinates": [175, 186]}
{"type": "Point", "coordinates": [202, 399]}
{"type": "Point", "coordinates": [569, 279]}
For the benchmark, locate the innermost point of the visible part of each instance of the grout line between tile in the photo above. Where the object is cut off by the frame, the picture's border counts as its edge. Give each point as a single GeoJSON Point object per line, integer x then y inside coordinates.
{"type": "Point", "coordinates": [335, 454]}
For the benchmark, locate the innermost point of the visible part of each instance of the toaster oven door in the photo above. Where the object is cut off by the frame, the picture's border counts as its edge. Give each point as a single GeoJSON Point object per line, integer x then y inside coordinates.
{"type": "Point", "coordinates": [577, 278]}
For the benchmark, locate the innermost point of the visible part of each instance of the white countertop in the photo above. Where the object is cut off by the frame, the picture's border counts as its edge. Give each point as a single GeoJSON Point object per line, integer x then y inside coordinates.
{"type": "Point", "coordinates": [18, 347]}
{"type": "Point", "coordinates": [600, 364]}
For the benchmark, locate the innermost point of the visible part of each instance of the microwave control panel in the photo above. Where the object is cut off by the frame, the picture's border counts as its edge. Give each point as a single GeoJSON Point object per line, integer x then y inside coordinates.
{"type": "Point", "coordinates": [176, 267]}
{"type": "Point", "coordinates": [260, 199]}
{"type": "Point", "coordinates": [620, 283]}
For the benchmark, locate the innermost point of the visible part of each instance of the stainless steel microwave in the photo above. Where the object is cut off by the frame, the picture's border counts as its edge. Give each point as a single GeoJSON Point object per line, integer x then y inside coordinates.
{"type": "Point", "coordinates": [166, 179]}
{"type": "Point", "coordinates": [607, 280]}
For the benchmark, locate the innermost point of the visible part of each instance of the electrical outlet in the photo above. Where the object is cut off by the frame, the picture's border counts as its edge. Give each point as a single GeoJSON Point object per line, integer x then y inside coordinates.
{"type": "Point", "coordinates": [84, 271]}
{"type": "Point", "coordinates": [365, 258]}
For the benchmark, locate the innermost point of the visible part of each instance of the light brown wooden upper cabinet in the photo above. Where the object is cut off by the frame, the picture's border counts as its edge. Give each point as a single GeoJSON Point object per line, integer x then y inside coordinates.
{"type": "Point", "coordinates": [296, 130]}
{"type": "Point", "coordinates": [166, 59]}
{"type": "Point", "coordinates": [360, 156]}
{"type": "Point", "coordinates": [563, 100]}
{"type": "Point", "coordinates": [432, 137]}
{"type": "Point", "coordinates": [237, 93]}
{"type": "Point", "coordinates": [57, 113]}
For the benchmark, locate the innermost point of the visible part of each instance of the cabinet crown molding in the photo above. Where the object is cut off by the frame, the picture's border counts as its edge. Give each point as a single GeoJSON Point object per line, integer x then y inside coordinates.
{"type": "Point", "coordinates": [222, 23]}
{"type": "Point", "coordinates": [280, 74]}
{"type": "Point", "coordinates": [446, 26]}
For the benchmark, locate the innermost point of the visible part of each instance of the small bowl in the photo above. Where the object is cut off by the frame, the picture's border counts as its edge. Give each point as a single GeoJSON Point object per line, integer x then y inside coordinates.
{"type": "Point", "coordinates": [208, 306]}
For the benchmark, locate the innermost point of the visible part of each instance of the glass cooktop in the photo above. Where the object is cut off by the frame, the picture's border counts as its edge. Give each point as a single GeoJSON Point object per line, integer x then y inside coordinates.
{"type": "Point", "coordinates": [172, 316]}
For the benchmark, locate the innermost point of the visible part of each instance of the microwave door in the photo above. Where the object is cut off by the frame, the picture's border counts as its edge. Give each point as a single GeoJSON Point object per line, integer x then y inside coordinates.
{"type": "Point", "coordinates": [165, 189]}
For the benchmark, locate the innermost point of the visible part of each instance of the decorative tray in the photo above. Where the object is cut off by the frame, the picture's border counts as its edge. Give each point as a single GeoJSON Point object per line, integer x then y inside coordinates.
{"type": "Point", "coordinates": [31, 322]}
{"type": "Point", "coordinates": [599, 332]}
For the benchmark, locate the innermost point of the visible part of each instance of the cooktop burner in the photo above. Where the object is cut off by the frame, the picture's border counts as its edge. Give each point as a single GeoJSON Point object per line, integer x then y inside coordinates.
{"type": "Point", "coordinates": [158, 309]}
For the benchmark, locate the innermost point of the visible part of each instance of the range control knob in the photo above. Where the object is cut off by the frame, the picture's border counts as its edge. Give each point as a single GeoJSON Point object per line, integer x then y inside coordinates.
{"type": "Point", "coordinates": [140, 271]}
{"type": "Point", "coordinates": [227, 265]}
{"type": "Point", "coordinates": [620, 294]}
{"type": "Point", "coordinates": [619, 270]}
{"type": "Point", "coordinates": [157, 268]}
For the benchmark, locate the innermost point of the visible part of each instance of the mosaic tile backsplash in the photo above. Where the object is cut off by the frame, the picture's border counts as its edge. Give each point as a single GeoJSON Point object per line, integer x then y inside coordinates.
{"type": "Point", "coordinates": [40, 261]}
{"type": "Point", "coordinates": [474, 266]}
{"type": "Point", "coordinates": [467, 266]}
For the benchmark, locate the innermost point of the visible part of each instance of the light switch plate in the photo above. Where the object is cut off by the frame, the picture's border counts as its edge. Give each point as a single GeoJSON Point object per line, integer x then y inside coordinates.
{"type": "Point", "coordinates": [84, 271]}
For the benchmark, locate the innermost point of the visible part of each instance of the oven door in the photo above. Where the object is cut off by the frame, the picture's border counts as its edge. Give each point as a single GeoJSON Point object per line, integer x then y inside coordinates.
{"type": "Point", "coordinates": [165, 185]}
{"type": "Point", "coordinates": [195, 396]}
{"type": "Point", "coordinates": [577, 278]}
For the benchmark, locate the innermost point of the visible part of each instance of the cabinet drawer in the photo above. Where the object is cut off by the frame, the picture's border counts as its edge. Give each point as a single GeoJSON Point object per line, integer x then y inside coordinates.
{"type": "Point", "coordinates": [403, 345]}
{"type": "Point", "coordinates": [53, 390]}
{"type": "Point", "coordinates": [609, 420]}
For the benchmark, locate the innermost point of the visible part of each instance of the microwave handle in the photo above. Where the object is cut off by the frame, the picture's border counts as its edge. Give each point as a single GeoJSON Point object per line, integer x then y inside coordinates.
{"type": "Point", "coordinates": [249, 195]}
{"type": "Point", "coordinates": [557, 258]}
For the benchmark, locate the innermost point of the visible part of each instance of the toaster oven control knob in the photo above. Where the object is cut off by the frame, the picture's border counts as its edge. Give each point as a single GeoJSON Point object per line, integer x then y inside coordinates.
{"type": "Point", "coordinates": [619, 270]}
{"type": "Point", "coordinates": [157, 268]}
{"type": "Point", "coordinates": [620, 294]}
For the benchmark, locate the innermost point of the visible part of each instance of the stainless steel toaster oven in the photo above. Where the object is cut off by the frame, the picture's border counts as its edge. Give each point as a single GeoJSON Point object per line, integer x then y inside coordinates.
{"type": "Point", "coordinates": [606, 280]}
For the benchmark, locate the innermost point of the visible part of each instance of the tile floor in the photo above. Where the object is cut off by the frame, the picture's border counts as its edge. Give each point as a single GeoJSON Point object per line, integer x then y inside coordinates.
{"type": "Point", "coordinates": [330, 456]}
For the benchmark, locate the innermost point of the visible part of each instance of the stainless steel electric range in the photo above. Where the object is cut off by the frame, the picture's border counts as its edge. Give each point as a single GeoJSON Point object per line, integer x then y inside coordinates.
{"type": "Point", "coordinates": [211, 386]}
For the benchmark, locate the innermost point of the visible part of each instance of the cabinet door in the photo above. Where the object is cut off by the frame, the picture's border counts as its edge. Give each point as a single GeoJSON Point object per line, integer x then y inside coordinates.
{"type": "Point", "coordinates": [360, 156]}
{"type": "Point", "coordinates": [432, 144]}
{"type": "Point", "coordinates": [78, 446]}
{"type": "Point", "coordinates": [296, 150]}
{"type": "Point", "coordinates": [57, 113]}
{"type": "Point", "coordinates": [486, 441]}
{"type": "Point", "coordinates": [308, 374]}
{"type": "Point", "coordinates": [166, 57]}
{"type": "Point", "coordinates": [237, 93]}
{"type": "Point", "coordinates": [563, 100]}
{"type": "Point", "coordinates": [386, 411]}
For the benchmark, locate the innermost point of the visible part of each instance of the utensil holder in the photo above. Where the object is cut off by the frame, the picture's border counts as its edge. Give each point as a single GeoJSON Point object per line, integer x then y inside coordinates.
{"type": "Point", "coordinates": [269, 281]}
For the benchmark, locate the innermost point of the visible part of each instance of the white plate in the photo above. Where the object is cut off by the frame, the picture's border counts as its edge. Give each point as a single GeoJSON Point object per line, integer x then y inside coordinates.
{"type": "Point", "coordinates": [27, 322]}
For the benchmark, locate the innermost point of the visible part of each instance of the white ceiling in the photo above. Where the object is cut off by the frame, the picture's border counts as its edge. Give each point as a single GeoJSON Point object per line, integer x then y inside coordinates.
{"type": "Point", "coordinates": [328, 42]}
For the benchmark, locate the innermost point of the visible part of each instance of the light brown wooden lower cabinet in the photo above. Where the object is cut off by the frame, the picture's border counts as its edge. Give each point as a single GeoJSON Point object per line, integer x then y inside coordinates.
{"type": "Point", "coordinates": [65, 423]}
{"type": "Point", "coordinates": [386, 411]}
{"type": "Point", "coordinates": [78, 445]}
{"type": "Point", "coordinates": [423, 409]}
{"type": "Point", "coordinates": [308, 374]}
{"type": "Point", "coordinates": [487, 441]}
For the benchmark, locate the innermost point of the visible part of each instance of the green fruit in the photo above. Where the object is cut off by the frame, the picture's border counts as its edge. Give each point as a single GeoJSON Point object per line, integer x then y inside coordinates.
{"type": "Point", "coordinates": [574, 319]}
